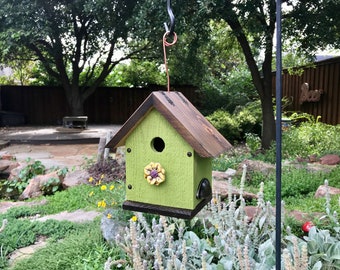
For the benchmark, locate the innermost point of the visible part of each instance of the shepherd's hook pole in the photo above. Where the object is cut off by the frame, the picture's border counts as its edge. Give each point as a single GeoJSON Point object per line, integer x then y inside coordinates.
{"type": "Point", "coordinates": [278, 135]}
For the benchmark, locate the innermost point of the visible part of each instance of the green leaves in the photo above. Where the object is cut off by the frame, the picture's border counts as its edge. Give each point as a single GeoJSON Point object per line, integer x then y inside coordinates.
{"type": "Point", "coordinates": [16, 186]}
{"type": "Point", "coordinates": [66, 37]}
{"type": "Point", "coordinates": [323, 247]}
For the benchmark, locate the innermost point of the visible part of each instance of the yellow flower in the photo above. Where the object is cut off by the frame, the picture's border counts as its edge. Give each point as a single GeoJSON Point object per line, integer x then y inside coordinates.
{"type": "Point", "coordinates": [113, 203]}
{"type": "Point", "coordinates": [103, 187]}
{"type": "Point", "coordinates": [101, 204]}
{"type": "Point", "coordinates": [154, 173]}
{"type": "Point", "coordinates": [134, 218]}
{"type": "Point", "coordinates": [109, 215]}
{"type": "Point", "coordinates": [112, 187]}
{"type": "Point", "coordinates": [91, 179]}
{"type": "Point", "coordinates": [91, 193]}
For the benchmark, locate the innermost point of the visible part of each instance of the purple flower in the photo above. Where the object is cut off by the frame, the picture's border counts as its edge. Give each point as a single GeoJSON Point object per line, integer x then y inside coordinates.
{"type": "Point", "coordinates": [154, 173]}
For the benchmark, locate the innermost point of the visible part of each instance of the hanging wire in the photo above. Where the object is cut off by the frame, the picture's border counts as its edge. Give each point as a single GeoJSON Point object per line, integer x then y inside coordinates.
{"type": "Point", "coordinates": [168, 44]}
{"type": "Point", "coordinates": [172, 19]}
{"type": "Point", "coordinates": [169, 32]}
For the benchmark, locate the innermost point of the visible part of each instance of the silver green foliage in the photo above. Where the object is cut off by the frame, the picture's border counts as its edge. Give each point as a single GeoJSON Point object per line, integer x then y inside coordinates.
{"type": "Point", "coordinates": [223, 237]}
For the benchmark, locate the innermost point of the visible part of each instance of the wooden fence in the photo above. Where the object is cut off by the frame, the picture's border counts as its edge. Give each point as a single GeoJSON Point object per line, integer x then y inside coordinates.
{"type": "Point", "coordinates": [48, 105]}
{"type": "Point", "coordinates": [323, 96]}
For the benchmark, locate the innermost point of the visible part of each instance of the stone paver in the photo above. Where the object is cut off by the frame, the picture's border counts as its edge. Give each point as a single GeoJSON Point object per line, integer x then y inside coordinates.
{"type": "Point", "coordinates": [25, 252]}
{"type": "Point", "coordinates": [61, 155]}
{"type": "Point", "coordinates": [78, 216]}
{"type": "Point", "coordinates": [5, 205]}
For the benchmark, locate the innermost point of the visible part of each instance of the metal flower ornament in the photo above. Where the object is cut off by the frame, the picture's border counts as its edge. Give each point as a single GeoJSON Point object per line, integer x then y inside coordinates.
{"type": "Point", "coordinates": [154, 173]}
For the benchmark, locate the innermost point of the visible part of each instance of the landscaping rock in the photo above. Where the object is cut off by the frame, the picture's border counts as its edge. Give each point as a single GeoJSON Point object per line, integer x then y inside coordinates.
{"type": "Point", "coordinates": [330, 160]}
{"type": "Point", "coordinates": [322, 191]}
{"type": "Point", "coordinates": [256, 166]}
{"type": "Point", "coordinates": [14, 174]}
{"type": "Point", "coordinates": [303, 217]}
{"type": "Point", "coordinates": [34, 188]}
{"type": "Point", "coordinates": [217, 175]}
{"type": "Point", "coordinates": [7, 165]}
{"type": "Point", "coordinates": [75, 178]}
{"type": "Point", "coordinates": [6, 155]}
{"type": "Point", "coordinates": [112, 227]}
{"type": "Point", "coordinates": [251, 212]}
{"type": "Point", "coordinates": [221, 188]}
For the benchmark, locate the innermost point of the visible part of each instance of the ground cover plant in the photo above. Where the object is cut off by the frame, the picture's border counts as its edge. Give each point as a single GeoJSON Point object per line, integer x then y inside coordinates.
{"type": "Point", "coordinates": [221, 237]}
{"type": "Point", "coordinates": [21, 229]}
{"type": "Point", "coordinates": [82, 249]}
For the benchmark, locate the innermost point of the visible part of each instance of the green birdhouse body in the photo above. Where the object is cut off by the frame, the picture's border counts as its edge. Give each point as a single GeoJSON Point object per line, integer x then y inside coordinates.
{"type": "Point", "coordinates": [169, 147]}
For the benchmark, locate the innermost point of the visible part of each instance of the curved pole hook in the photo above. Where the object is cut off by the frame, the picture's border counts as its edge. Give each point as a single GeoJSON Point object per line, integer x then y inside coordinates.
{"type": "Point", "coordinates": [172, 19]}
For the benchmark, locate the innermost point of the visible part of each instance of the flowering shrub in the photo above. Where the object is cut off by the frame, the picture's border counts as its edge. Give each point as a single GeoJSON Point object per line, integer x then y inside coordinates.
{"type": "Point", "coordinates": [110, 194]}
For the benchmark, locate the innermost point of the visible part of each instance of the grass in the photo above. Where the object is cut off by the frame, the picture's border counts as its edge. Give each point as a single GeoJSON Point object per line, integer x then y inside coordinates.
{"type": "Point", "coordinates": [83, 249]}
{"type": "Point", "coordinates": [71, 245]}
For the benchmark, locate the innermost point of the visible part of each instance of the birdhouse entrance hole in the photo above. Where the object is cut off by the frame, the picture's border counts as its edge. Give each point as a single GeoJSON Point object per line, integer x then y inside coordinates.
{"type": "Point", "coordinates": [158, 144]}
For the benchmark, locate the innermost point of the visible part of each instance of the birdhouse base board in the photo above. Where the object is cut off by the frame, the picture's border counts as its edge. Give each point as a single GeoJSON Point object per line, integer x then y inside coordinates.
{"type": "Point", "coordinates": [165, 210]}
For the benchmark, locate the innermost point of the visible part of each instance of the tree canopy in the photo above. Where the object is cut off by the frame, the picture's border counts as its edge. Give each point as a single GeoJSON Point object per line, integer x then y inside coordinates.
{"type": "Point", "coordinates": [68, 37]}
{"type": "Point", "coordinates": [74, 37]}
{"type": "Point", "coordinates": [312, 24]}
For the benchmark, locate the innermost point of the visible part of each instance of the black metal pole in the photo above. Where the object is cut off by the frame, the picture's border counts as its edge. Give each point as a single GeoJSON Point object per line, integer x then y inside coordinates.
{"type": "Point", "coordinates": [278, 134]}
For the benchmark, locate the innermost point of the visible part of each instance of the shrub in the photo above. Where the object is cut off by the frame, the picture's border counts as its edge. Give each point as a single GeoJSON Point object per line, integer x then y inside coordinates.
{"type": "Point", "coordinates": [225, 124]}
{"type": "Point", "coordinates": [253, 142]}
{"type": "Point", "coordinates": [246, 119]}
{"type": "Point", "coordinates": [249, 118]}
{"type": "Point", "coordinates": [227, 91]}
{"type": "Point", "coordinates": [310, 138]}
{"type": "Point", "coordinates": [295, 183]}
{"type": "Point", "coordinates": [304, 140]}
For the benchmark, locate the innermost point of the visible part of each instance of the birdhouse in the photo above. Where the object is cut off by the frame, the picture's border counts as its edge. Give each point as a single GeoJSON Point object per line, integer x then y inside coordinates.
{"type": "Point", "coordinates": [169, 149]}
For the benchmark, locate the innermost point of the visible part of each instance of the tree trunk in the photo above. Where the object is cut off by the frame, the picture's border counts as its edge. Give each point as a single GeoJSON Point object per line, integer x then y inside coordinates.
{"type": "Point", "coordinates": [77, 107]}
{"type": "Point", "coordinates": [268, 121]}
{"type": "Point", "coordinates": [74, 99]}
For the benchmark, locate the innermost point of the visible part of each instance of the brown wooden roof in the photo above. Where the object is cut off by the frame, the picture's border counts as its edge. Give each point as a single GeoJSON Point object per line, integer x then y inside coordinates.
{"type": "Point", "coordinates": [195, 129]}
